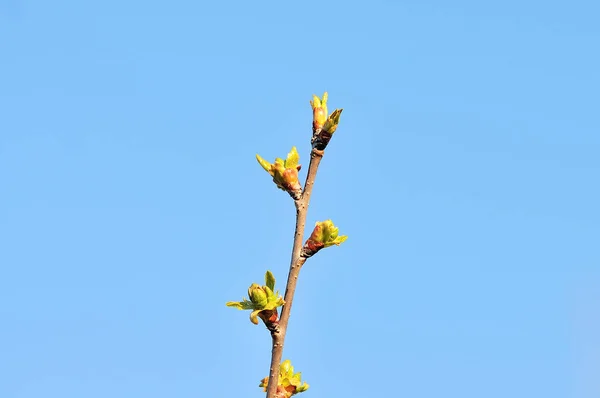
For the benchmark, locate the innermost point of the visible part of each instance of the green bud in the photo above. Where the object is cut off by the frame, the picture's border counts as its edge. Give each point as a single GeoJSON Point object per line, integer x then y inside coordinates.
{"type": "Point", "coordinates": [332, 121]}
{"type": "Point", "coordinates": [324, 234]}
{"type": "Point", "coordinates": [289, 383]}
{"type": "Point", "coordinates": [285, 172]}
{"type": "Point", "coordinates": [263, 301]}
{"type": "Point", "coordinates": [257, 295]}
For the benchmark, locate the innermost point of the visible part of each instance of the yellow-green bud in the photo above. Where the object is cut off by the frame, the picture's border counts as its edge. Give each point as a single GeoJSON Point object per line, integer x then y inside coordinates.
{"type": "Point", "coordinates": [319, 107]}
{"type": "Point", "coordinates": [258, 296]}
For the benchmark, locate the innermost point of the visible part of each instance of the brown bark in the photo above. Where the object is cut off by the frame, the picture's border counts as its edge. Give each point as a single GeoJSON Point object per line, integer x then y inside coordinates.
{"type": "Point", "coordinates": [278, 335]}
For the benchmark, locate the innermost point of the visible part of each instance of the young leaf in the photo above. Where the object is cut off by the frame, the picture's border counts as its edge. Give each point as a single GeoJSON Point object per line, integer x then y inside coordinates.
{"type": "Point", "coordinates": [292, 159]}
{"type": "Point", "coordinates": [265, 165]}
{"type": "Point", "coordinates": [270, 280]}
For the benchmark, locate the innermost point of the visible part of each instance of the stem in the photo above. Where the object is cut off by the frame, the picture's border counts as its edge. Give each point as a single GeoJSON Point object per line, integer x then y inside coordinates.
{"type": "Point", "coordinates": [278, 335]}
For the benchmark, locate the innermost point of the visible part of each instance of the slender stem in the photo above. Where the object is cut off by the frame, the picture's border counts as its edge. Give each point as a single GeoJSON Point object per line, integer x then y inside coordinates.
{"type": "Point", "coordinates": [278, 335]}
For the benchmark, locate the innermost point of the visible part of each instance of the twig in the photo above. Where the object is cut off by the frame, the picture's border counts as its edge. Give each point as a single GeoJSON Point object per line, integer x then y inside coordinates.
{"type": "Point", "coordinates": [278, 335]}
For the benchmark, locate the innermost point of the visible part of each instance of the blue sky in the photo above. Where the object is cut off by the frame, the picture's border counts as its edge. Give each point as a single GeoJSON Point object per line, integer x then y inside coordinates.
{"type": "Point", "coordinates": [465, 172]}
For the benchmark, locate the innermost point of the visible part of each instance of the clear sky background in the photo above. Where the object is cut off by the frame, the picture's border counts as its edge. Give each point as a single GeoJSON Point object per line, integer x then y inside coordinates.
{"type": "Point", "coordinates": [465, 171]}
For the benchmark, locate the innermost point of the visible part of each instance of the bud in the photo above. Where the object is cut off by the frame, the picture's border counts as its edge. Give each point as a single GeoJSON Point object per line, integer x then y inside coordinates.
{"type": "Point", "coordinates": [333, 121]}
{"type": "Point", "coordinates": [319, 107]}
{"type": "Point", "coordinates": [324, 234]}
{"type": "Point", "coordinates": [323, 126]}
{"type": "Point", "coordinates": [263, 302]}
{"type": "Point", "coordinates": [257, 295]}
{"type": "Point", "coordinates": [264, 383]}
{"type": "Point", "coordinates": [289, 383]}
{"type": "Point", "coordinates": [285, 172]}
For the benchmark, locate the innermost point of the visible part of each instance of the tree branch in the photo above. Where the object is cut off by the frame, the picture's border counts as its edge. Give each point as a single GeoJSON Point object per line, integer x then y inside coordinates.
{"type": "Point", "coordinates": [278, 335]}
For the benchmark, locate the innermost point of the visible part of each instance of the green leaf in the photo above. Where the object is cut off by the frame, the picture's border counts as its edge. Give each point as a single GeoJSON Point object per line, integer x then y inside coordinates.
{"type": "Point", "coordinates": [269, 292]}
{"type": "Point", "coordinates": [270, 280]}
{"type": "Point", "coordinates": [286, 368]}
{"type": "Point", "coordinates": [271, 297]}
{"type": "Point", "coordinates": [302, 388]}
{"type": "Point", "coordinates": [292, 159]}
{"type": "Point", "coordinates": [330, 232]}
{"type": "Point", "coordinates": [234, 304]}
{"type": "Point", "coordinates": [296, 378]}
{"type": "Point", "coordinates": [241, 305]}
{"type": "Point", "coordinates": [337, 241]}
{"type": "Point", "coordinates": [265, 165]}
